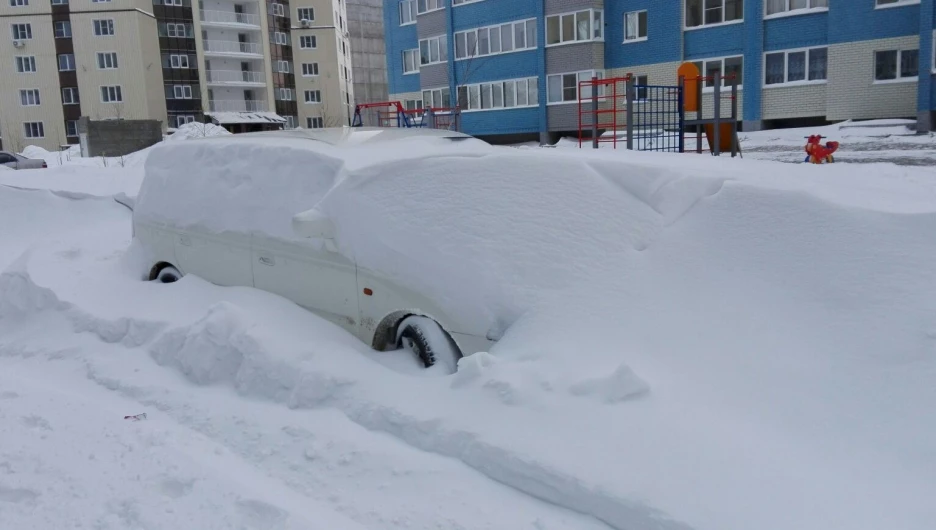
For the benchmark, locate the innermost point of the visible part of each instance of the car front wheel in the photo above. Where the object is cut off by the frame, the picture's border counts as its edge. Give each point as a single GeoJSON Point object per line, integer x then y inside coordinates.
{"type": "Point", "coordinates": [429, 343]}
{"type": "Point", "coordinates": [168, 274]}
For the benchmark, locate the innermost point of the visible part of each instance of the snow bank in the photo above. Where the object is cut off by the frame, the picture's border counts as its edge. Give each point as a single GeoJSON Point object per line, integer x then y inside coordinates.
{"type": "Point", "coordinates": [197, 130]}
{"type": "Point", "coordinates": [34, 151]}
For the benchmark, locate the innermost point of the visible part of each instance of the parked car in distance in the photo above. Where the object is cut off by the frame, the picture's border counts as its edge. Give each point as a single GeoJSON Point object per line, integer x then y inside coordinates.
{"type": "Point", "coordinates": [14, 161]}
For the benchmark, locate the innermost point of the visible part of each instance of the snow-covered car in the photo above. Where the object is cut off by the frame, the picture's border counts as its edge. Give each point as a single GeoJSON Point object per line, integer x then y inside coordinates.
{"type": "Point", "coordinates": [216, 208]}
{"type": "Point", "coordinates": [15, 161]}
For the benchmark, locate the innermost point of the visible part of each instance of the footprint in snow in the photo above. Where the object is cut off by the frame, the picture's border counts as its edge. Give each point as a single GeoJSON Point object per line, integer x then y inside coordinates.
{"type": "Point", "coordinates": [17, 495]}
{"type": "Point", "coordinates": [36, 422]}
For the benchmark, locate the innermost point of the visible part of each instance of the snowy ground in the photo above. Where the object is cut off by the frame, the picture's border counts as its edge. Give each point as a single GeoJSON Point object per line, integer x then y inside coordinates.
{"type": "Point", "coordinates": [765, 360]}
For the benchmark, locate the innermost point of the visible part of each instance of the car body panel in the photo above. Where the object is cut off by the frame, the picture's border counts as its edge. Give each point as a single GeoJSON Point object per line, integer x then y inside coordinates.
{"type": "Point", "coordinates": [14, 161]}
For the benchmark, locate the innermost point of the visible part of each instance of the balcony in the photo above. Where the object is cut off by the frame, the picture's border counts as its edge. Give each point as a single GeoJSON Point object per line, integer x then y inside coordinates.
{"type": "Point", "coordinates": [235, 78]}
{"type": "Point", "coordinates": [230, 18]}
{"type": "Point", "coordinates": [234, 105]}
{"type": "Point", "coordinates": [230, 47]}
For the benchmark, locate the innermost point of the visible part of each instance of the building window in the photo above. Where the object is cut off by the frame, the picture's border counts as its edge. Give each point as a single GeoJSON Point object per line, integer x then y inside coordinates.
{"type": "Point", "coordinates": [107, 60]}
{"type": "Point", "coordinates": [99, 1]}
{"type": "Point", "coordinates": [282, 67]}
{"type": "Point", "coordinates": [19, 3]}
{"type": "Point", "coordinates": [411, 61]}
{"type": "Point", "coordinates": [709, 12]}
{"type": "Point", "coordinates": [796, 66]}
{"type": "Point", "coordinates": [407, 12]}
{"type": "Point", "coordinates": [280, 38]}
{"type": "Point", "coordinates": [172, 2]}
{"type": "Point", "coordinates": [307, 42]}
{"type": "Point", "coordinates": [178, 61]}
{"type": "Point", "coordinates": [310, 69]}
{"type": "Point", "coordinates": [500, 94]}
{"type": "Point", "coordinates": [306, 13]}
{"type": "Point", "coordinates": [71, 128]}
{"type": "Point", "coordinates": [66, 62]}
{"type": "Point", "coordinates": [894, 65]}
{"type": "Point", "coordinates": [26, 64]}
{"type": "Point", "coordinates": [728, 66]}
{"type": "Point", "coordinates": [315, 123]}
{"type": "Point", "coordinates": [182, 91]}
{"type": "Point", "coordinates": [503, 38]}
{"type": "Point", "coordinates": [888, 3]}
{"type": "Point", "coordinates": [21, 31]}
{"type": "Point", "coordinates": [460, 2]}
{"type": "Point", "coordinates": [29, 97]}
{"type": "Point", "coordinates": [70, 96]}
{"type": "Point", "coordinates": [437, 98]}
{"type": "Point", "coordinates": [641, 83]}
{"type": "Point", "coordinates": [424, 6]}
{"type": "Point", "coordinates": [178, 30]}
{"type": "Point", "coordinates": [413, 104]}
{"type": "Point", "coordinates": [562, 88]}
{"type": "Point", "coordinates": [284, 94]}
{"type": "Point", "coordinates": [104, 28]}
{"type": "Point", "coordinates": [111, 94]}
{"type": "Point", "coordinates": [635, 26]}
{"type": "Point", "coordinates": [34, 129]}
{"type": "Point", "coordinates": [313, 96]}
{"type": "Point", "coordinates": [580, 26]}
{"type": "Point", "coordinates": [794, 6]}
{"type": "Point", "coordinates": [60, 2]}
{"type": "Point", "coordinates": [180, 119]}
{"type": "Point", "coordinates": [62, 29]}
{"type": "Point", "coordinates": [433, 50]}
{"type": "Point", "coordinates": [277, 10]}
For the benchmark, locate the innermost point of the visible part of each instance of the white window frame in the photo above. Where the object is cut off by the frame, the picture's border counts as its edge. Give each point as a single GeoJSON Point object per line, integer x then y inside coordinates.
{"type": "Point", "coordinates": [30, 127]}
{"type": "Point", "coordinates": [310, 11]}
{"type": "Point", "coordinates": [591, 27]}
{"type": "Point", "coordinates": [795, 11]}
{"type": "Point", "coordinates": [432, 92]}
{"type": "Point", "coordinates": [408, 7]}
{"type": "Point", "coordinates": [284, 94]}
{"type": "Point", "coordinates": [898, 79]}
{"type": "Point", "coordinates": [67, 135]}
{"type": "Point", "coordinates": [105, 59]}
{"type": "Point", "coordinates": [116, 90]}
{"type": "Point", "coordinates": [509, 27]}
{"type": "Point", "coordinates": [703, 24]}
{"type": "Point", "coordinates": [74, 96]}
{"type": "Point", "coordinates": [786, 68]}
{"type": "Point", "coordinates": [58, 60]}
{"type": "Point", "coordinates": [31, 97]}
{"type": "Point", "coordinates": [312, 97]}
{"type": "Point", "coordinates": [442, 47]}
{"type": "Point", "coordinates": [479, 89]}
{"type": "Point", "coordinates": [578, 78]}
{"type": "Point", "coordinates": [23, 28]}
{"type": "Point", "coordinates": [428, 6]}
{"type": "Point", "coordinates": [177, 30]}
{"type": "Point", "coordinates": [101, 25]}
{"type": "Point", "coordinates": [182, 92]}
{"type": "Point", "coordinates": [310, 39]}
{"type": "Point", "coordinates": [645, 27]}
{"type": "Point", "coordinates": [100, 1]}
{"type": "Point", "coordinates": [65, 24]}
{"type": "Point", "coordinates": [898, 3]}
{"type": "Point", "coordinates": [412, 104]}
{"type": "Point", "coordinates": [19, 3]}
{"type": "Point", "coordinates": [414, 55]}
{"type": "Point", "coordinates": [172, 2]}
{"type": "Point", "coordinates": [22, 61]}
{"type": "Point", "coordinates": [315, 122]}
{"type": "Point", "coordinates": [310, 69]}
{"type": "Point", "coordinates": [179, 61]}
{"type": "Point", "coordinates": [280, 37]}
{"type": "Point", "coordinates": [456, 3]}
{"type": "Point", "coordinates": [702, 72]}
{"type": "Point", "coordinates": [277, 9]}
{"type": "Point", "coordinates": [282, 67]}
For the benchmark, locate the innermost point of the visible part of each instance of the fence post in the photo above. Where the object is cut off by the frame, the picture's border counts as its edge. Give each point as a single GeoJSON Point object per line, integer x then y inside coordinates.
{"type": "Point", "coordinates": [716, 135]}
{"type": "Point", "coordinates": [682, 114]}
{"type": "Point", "coordinates": [594, 108]}
{"type": "Point", "coordinates": [734, 116]}
{"type": "Point", "coordinates": [629, 97]}
{"type": "Point", "coordinates": [698, 85]}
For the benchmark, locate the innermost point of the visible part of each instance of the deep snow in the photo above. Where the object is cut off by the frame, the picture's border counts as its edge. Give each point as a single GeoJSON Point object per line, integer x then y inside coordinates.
{"type": "Point", "coordinates": [739, 345]}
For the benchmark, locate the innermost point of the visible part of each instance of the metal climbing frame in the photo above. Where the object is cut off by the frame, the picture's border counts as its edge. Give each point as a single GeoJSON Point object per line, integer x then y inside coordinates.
{"type": "Point", "coordinates": [381, 114]}
{"type": "Point", "coordinates": [646, 117]}
{"type": "Point", "coordinates": [716, 127]}
{"type": "Point", "coordinates": [448, 118]}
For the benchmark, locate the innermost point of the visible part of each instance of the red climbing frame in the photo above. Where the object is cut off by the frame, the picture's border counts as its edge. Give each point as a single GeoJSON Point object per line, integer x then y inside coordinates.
{"type": "Point", "coordinates": [611, 98]}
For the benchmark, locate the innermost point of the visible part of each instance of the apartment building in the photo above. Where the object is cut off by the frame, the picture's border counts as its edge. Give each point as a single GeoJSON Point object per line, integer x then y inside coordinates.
{"type": "Point", "coordinates": [368, 51]}
{"type": "Point", "coordinates": [244, 64]}
{"type": "Point", "coordinates": [512, 67]}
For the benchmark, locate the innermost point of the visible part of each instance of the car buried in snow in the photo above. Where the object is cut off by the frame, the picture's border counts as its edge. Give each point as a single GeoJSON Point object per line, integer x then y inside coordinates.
{"type": "Point", "coordinates": [218, 209]}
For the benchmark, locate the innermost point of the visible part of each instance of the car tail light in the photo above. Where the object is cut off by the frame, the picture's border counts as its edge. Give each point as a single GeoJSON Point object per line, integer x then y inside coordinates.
{"type": "Point", "coordinates": [44, 165]}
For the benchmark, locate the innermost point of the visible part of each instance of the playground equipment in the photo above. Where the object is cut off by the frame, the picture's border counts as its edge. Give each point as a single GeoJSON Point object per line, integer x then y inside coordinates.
{"type": "Point", "coordinates": [392, 114]}
{"type": "Point", "coordinates": [817, 153]}
{"type": "Point", "coordinates": [653, 117]}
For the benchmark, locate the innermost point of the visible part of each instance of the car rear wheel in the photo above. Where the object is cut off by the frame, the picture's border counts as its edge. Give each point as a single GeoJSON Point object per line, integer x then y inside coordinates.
{"type": "Point", "coordinates": [429, 343]}
{"type": "Point", "coordinates": [168, 274]}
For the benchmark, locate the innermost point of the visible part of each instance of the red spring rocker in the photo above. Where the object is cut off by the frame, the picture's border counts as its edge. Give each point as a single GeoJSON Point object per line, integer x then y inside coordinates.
{"type": "Point", "coordinates": [817, 153]}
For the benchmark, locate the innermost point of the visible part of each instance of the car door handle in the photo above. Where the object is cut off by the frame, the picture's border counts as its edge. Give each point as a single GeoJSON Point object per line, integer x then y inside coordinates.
{"type": "Point", "coordinates": [267, 260]}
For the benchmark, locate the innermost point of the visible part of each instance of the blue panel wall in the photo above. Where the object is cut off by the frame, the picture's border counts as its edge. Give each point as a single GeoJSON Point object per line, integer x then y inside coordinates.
{"type": "Point", "coordinates": [796, 32]}
{"type": "Point", "coordinates": [856, 20]}
{"type": "Point", "coordinates": [398, 38]}
{"type": "Point", "coordinates": [664, 24]}
{"type": "Point", "coordinates": [717, 41]}
{"type": "Point", "coordinates": [926, 99]}
{"type": "Point", "coordinates": [525, 120]}
{"type": "Point", "coordinates": [494, 67]}
{"type": "Point", "coordinates": [490, 12]}
{"type": "Point", "coordinates": [753, 66]}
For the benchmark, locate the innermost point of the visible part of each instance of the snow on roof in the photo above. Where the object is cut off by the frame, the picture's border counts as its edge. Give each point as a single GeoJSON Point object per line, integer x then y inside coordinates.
{"type": "Point", "coordinates": [246, 117]}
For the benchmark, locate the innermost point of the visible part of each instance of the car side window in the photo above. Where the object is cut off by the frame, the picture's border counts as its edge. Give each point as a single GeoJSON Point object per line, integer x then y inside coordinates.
{"type": "Point", "coordinates": [5, 158]}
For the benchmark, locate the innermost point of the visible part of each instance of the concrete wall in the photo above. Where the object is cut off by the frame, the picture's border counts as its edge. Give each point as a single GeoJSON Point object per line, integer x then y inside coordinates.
{"type": "Point", "coordinates": [781, 102]}
{"type": "Point", "coordinates": [852, 92]}
{"type": "Point", "coordinates": [368, 51]}
{"type": "Point", "coordinates": [117, 137]}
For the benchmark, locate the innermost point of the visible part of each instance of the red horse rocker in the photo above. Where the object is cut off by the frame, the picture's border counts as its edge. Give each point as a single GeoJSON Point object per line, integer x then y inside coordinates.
{"type": "Point", "coordinates": [817, 153]}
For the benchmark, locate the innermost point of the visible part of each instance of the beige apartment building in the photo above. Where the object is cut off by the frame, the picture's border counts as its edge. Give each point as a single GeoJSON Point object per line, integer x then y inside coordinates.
{"type": "Point", "coordinates": [244, 64]}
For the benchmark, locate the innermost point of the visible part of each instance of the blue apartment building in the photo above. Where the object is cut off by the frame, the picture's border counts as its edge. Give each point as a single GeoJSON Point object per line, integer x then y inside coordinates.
{"type": "Point", "coordinates": [512, 66]}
